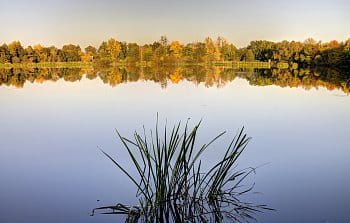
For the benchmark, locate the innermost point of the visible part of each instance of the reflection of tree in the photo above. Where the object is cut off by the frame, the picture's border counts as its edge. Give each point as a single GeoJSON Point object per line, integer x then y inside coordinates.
{"type": "Point", "coordinates": [209, 76]}
{"type": "Point", "coordinates": [90, 74]}
{"type": "Point", "coordinates": [115, 78]}
{"type": "Point", "coordinates": [305, 78]}
{"type": "Point", "coordinates": [176, 76]}
{"type": "Point", "coordinates": [72, 74]}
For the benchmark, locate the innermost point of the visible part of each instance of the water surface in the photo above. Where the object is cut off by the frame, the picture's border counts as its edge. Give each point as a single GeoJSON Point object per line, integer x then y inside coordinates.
{"type": "Point", "coordinates": [52, 124]}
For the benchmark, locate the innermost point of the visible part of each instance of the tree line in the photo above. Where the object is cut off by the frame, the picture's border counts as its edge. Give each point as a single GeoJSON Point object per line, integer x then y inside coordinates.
{"type": "Point", "coordinates": [307, 53]}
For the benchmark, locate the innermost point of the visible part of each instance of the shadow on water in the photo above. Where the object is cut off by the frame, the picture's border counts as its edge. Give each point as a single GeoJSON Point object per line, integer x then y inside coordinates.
{"type": "Point", "coordinates": [172, 184]}
{"type": "Point", "coordinates": [209, 76]}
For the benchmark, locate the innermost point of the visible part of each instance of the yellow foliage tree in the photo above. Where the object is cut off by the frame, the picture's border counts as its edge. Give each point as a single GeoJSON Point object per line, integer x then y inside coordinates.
{"type": "Point", "coordinates": [176, 49]}
{"type": "Point", "coordinates": [212, 50]}
{"type": "Point", "coordinates": [113, 48]}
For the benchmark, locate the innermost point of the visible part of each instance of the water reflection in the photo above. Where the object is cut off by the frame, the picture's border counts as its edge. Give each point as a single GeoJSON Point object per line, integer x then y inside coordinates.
{"type": "Point", "coordinates": [209, 76]}
{"type": "Point", "coordinates": [52, 171]}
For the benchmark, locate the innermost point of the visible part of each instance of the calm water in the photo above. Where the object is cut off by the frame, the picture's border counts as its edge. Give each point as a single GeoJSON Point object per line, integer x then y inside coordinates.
{"type": "Point", "coordinates": [52, 171]}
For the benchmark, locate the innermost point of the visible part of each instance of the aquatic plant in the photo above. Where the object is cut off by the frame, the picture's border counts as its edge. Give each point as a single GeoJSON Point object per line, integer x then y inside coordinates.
{"type": "Point", "coordinates": [172, 185]}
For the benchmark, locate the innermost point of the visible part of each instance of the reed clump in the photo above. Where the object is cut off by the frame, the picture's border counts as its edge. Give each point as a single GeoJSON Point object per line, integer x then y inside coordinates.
{"type": "Point", "coordinates": [172, 185]}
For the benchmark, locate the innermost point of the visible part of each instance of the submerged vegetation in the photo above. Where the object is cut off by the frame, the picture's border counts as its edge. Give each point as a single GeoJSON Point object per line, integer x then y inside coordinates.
{"type": "Point", "coordinates": [173, 186]}
{"type": "Point", "coordinates": [114, 52]}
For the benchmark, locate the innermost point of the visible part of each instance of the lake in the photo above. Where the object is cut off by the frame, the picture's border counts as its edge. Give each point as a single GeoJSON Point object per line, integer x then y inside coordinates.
{"type": "Point", "coordinates": [53, 122]}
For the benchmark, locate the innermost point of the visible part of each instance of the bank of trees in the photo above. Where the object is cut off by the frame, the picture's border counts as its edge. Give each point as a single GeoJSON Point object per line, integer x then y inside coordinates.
{"type": "Point", "coordinates": [16, 53]}
{"type": "Point", "coordinates": [307, 53]}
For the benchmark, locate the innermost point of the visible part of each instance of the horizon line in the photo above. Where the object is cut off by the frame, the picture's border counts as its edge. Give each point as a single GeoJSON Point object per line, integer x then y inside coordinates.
{"type": "Point", "coordinates": [141, 43]}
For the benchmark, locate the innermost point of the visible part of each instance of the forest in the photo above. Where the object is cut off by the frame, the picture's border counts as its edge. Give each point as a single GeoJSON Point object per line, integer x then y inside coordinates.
{"type": "Point", "coordinates": [310, 53]}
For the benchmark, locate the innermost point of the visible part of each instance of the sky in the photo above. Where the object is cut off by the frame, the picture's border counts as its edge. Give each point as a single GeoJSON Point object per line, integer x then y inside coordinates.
{"type": "Point", "coordinates": [88, 22]}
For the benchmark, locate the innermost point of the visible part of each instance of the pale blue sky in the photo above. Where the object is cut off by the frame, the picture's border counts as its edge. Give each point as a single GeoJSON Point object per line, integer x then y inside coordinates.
{"type": "Point", "coordinates": [53, 22]}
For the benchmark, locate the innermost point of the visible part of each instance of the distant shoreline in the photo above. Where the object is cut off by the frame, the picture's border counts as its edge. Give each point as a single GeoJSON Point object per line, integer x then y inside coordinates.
{"type": "Point", "coordinates": [114, 53]}
{"type": "Point", "coordinates": [79, 64]}
{"type": "Point", "coordinates": [46, 65]}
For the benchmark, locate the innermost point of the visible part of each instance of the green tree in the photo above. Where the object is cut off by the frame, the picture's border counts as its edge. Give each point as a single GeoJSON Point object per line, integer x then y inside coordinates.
{"type": "Point", "coordinates": [229, 52]}
{"type": "Point", "coordinates": [16, 51]}
{"type": "Point", "coordinates": [199, 52]}
{"type": "Point", "coordinates": [133, 53]}
{"type": "Point", "coordinates": [123, 51]}
{"type": "Point", "coordinates": [5, 56]}
{"type": "Point", "coordinates": [102, 57]}
{"type": "Point", "coordinates": [54, 54]}
{"type": "Point", "coordinates": [70, 53]}
{"type": "Point", "coordinates": [188, 52]}
{"type": "Point", "coordinates": [91, 50]}
{"type": "Point", "coordinates": [249, 55]}
{"type": "Point", "coordinates": [29, 56]}
{"type": "Point", "coordinates": [146, 53]}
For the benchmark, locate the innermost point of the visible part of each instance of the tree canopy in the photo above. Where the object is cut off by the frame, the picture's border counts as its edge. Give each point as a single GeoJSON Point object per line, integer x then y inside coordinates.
{"type": "Point", "coordinates": [307, 53]}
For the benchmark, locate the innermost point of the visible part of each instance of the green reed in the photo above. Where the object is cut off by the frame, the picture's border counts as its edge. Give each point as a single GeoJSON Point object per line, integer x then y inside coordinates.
{"type": "Point", "coordinates": [172, 186]}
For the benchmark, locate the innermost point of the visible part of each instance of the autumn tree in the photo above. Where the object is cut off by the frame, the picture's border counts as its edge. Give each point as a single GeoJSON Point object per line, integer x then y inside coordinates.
{"type": "Point", "coordinates": [89, 54]}
{"type": "Point", "coordinates": [310, 53]}
{"type": "Point", "coordinates": [113, 49]}
{"type": "Point", "coordinates": [176, 49]}
{"type": "Point", "coordinates": [212, 50]}
{"type": "Point", "coordinates": [42, 53]}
